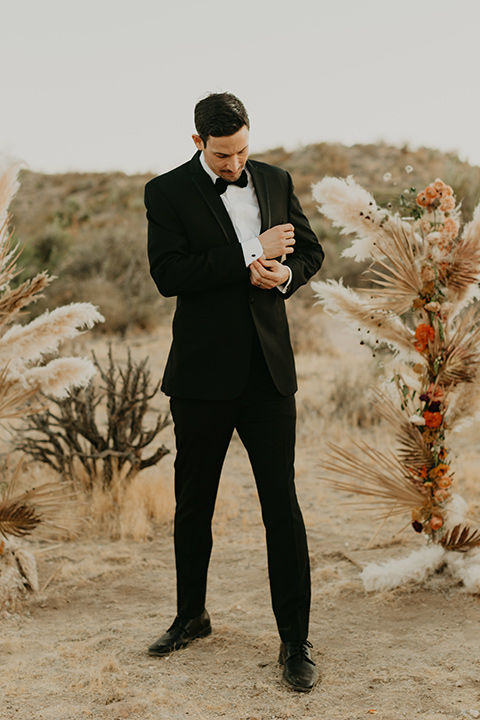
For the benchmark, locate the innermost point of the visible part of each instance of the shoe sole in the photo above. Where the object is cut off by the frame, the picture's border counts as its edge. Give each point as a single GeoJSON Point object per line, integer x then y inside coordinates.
{"type": "Point", "coordinates": [202, 634]}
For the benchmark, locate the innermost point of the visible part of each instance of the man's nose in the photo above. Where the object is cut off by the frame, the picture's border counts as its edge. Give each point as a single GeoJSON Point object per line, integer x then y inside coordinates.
{"type": "Point", "coordinates": [234, 164]}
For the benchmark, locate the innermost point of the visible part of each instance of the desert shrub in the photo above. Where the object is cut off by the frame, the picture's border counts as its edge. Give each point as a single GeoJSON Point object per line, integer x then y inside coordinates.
{"type": "Point", "coordinates": [70, 431]}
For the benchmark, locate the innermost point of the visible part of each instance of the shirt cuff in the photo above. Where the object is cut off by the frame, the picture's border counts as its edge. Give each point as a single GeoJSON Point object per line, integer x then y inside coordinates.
{"type": "Point", "coordinates": [286, 285]}
{"type": "Point", "coordinates": [252, 250]}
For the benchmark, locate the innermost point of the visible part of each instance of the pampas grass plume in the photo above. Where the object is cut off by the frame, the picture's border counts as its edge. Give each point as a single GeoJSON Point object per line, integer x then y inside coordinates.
{"type": "Point", "coordinates": [42, 336]}
{"type": "Point", "coordinates": [345, 304]}
{"type": "Point", "coordinates": [58, 376]}
{"type": "Point", "coordinates": [413, 568]}
{"type": "Point", "coordinates": [9, 185]}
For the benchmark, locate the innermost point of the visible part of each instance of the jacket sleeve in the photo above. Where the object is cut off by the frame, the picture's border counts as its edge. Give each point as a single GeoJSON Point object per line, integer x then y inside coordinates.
{"type": "Point", "coordinates": [308, 254]}
{"type": "Point", "coordinates": [175, 269]}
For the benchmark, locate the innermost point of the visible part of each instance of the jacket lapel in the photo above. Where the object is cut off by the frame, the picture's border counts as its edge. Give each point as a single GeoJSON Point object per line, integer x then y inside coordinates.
{"type": "Point", "coordinates": [212, 198]}
{"type": "Point", "coordinates": [261, 190]}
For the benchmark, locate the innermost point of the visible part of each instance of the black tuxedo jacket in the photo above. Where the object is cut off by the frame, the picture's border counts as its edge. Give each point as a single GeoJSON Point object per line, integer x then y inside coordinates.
{"type": "Point", "coordinates": [195, 255]}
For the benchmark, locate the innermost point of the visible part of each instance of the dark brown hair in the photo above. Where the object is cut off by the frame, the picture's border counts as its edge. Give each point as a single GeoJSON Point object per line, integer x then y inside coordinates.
{"type": "Point", "coordinates": [220, 115]}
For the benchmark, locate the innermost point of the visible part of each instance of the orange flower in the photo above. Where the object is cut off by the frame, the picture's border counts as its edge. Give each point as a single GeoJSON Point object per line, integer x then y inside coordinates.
{"type": "Point", "coordinates": [430, 192]}
{"type": "Point", "coordinates": [440, 470]}
{"type": "Point", "coordinates": [442, 453]}
{"type": "Point", "coordinates": [433, 419]}
{"type": "Point", "coordinates": [423, 333]}
{"type": "Point", "coordinates": [422, 200]}
{"type": "Point", "coordinates": [436, 522]}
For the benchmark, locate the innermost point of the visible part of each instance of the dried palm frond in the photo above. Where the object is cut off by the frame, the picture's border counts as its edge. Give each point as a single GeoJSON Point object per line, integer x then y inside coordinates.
{"type": "Point", "coordinates": [399, 279]}
{"type": "Point", "coordinates": [18, 519]}
{"type": "Point", "coordinates": [459, 361]}
{"type": "Point", "coordinates": [464, 267]}
{"type": "Point", "coordinates": [22, 512]}
{"type": "Point", "coordinates": [461, 539]}
{"type": "Point", "coordinates": [413, 451]}
{"type": "Point", "coordinates": [380, 477]}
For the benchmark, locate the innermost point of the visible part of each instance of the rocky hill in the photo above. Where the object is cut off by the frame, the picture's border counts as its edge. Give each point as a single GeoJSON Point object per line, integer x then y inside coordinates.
{"type": "Point", "coordinates": [89, 229]}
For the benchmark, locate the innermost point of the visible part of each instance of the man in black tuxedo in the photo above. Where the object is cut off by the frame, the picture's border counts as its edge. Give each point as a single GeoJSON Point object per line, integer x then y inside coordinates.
{"type": "Point", "coordinates": [228, 238]}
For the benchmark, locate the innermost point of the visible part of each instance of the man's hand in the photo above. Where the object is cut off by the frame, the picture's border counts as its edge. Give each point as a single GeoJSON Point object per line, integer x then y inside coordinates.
{"type": "Point", "coordinates": [277, 241]}
{"type": "Point", "coordinates": [267, 274]}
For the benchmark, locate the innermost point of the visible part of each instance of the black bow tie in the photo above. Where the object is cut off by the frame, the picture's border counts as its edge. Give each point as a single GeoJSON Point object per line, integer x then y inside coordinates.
{"type": "Point", "coordinates": [221, 184]}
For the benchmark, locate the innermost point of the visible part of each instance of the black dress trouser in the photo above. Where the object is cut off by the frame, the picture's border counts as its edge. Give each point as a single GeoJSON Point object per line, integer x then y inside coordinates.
{"type": "Point", "coordinates": [265, 422]}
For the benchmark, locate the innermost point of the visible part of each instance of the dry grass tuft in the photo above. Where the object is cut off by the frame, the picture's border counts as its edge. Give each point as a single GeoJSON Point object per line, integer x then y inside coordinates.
{"type": "Point", "coordinates": [134, 510]}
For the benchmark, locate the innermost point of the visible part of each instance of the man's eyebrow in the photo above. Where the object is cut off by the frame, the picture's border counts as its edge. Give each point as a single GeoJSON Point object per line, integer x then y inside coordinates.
{"type": "Point", "coordinates": [228, 154]}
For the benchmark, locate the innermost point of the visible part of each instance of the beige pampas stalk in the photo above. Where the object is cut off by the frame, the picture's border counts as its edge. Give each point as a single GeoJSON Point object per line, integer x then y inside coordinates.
{"type": "Point", "coordinates": [416, 567]}
{"type": "Point", "coordinates": [345, 304]}
{"type": "Point", "coordinates": [59, 375]}
{"type": "Point", "coordinates": [21, 348]}
{"type": "Point", "coordinates": [9, 185]}
{"type": "Point", "coordinates": [350, 207]}
{"type": "Point", "coordinates": [29, 343]}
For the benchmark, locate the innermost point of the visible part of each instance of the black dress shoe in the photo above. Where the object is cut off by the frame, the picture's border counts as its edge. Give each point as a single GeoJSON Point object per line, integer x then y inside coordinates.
{"type": "Point", "coordinates": [181, 633]}
{"type": "Point", "coordinates": [299, 671]}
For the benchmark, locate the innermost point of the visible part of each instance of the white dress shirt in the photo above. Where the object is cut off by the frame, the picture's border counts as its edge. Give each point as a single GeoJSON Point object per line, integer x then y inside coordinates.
{"type": "Point", "coordinates": [244, 211]}
{"type": "Point", "coordinates": [242, 207]}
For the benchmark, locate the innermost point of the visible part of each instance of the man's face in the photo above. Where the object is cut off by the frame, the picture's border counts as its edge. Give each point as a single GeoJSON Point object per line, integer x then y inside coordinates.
{"type": "Point", "coordinates": [226, 156]}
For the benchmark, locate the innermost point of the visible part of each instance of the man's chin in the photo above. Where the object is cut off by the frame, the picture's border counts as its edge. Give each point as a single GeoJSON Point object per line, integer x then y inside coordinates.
{"type": "Point", "coordinates": [230, 177]}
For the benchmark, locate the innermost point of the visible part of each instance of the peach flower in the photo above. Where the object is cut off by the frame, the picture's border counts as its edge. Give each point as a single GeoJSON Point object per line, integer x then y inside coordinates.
{"type": "Point", "coordinates": [451, 226]}
{"type": "Point", "coordinates": [439, 185]}
{"type": "Point", "coordinates": [436, 522]}
{"type": "Point", "coordinates": [427, 273]}
{"type": "Point", "coordinates": [447, 204]}
{"type": "Point", "coordinates": [435, 392]}
{"type": "Point", "coordinates": [444, 482]}
{"type": "Point", "coordinates": [441, 494]}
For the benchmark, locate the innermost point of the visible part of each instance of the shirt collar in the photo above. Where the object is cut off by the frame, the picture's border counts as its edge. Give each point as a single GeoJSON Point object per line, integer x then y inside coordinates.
{"type": "Point", "coordinates": [208, 170]}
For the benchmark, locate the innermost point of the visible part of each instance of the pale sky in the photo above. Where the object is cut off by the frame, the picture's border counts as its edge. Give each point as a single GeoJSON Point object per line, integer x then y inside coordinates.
{"type": "Point", "coordinates": [104, 85]}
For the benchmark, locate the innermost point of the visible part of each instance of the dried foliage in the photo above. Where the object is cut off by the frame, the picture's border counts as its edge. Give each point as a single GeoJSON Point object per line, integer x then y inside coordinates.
{"type": "Point", "coordinates": [383, 478]}
{"type": "Point", "coordinates": [70, 431]}
{"type": "Point", "coordinates": [24, 368]}
{"type": "Point", "coordinates": [461, 539]}
{"type": "Point", "coordinates": [424, 280]}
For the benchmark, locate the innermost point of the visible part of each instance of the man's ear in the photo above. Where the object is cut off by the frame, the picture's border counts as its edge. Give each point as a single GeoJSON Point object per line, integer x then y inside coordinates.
{"type": "Point", "coordinates": [198, 142]}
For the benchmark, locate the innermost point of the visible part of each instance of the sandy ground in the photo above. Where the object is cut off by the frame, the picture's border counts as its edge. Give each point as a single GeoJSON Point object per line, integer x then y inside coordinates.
{"type": "Point", "coordinates": [77, 650]}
